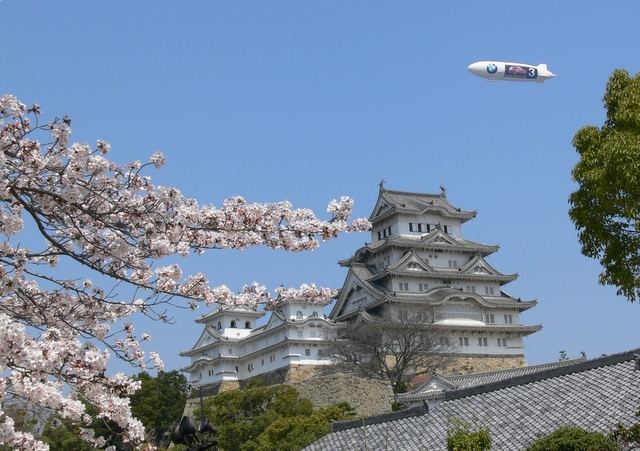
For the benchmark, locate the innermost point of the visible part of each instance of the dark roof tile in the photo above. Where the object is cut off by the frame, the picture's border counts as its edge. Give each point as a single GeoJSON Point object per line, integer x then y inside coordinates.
{"type": "Point", "coordinates": [595, 394]}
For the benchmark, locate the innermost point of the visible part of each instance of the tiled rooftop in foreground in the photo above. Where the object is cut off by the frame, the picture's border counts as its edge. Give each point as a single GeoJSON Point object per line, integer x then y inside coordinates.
{"type": "Point", "coordinates": [594, 394]}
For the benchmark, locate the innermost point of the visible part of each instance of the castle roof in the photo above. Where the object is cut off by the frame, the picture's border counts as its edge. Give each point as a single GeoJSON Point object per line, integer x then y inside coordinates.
{"type": "Point", "coordinates": [477, 269]}
{"type": "Point", "coordinates": [456, 382]}
{"type": "Point", "coordinates": [392, 202]}
{"type": "Point", "coordinates": [230, 310]}
{"type": "Point", "coordinates": [436, 240]}
{"type": "Point", "coordinates": [464, 325]}
{"type": "Point", "coordinates": [595, 395]}
{"type": "Point", "coordinates": [361, 276]}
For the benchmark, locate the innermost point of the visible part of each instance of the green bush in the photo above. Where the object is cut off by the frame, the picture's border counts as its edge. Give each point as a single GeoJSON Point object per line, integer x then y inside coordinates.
{"type": "Point", "coordinates": [568, 438]}
{"type": "Point", "coordinates": [464, 436]}
{"type": "Point", "coordinates": [395, 406]}
{"type": "Point", "coordinates": [258, 418]}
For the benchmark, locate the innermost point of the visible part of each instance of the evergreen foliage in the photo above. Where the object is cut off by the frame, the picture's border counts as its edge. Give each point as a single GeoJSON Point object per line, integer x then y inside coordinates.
{"type": "Point", "coordinates": [266, 418]}
{"type": "Point", "coordinates": [465, 436]}
{"type": "Point", "coordinates": [160, 402]}
{"type": "Point", "coordinates": [568, 438]}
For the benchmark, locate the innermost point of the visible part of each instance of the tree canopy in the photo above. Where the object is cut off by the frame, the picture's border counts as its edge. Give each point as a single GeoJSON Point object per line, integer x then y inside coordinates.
{"type": "Point", "coordinates": [66, 212]}
{"type": "Point", "coordinates": [159, 402]}
{"type": "Point", "coordinates": [606, 206]}
{"type": "Point", "coordinates": [266, 418]}
{"type": "Point", "coordinates": [568, 438]}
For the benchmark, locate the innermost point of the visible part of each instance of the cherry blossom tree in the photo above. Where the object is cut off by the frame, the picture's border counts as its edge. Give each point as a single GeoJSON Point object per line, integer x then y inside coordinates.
{"type": "Point", "coordinates": [57, 330]}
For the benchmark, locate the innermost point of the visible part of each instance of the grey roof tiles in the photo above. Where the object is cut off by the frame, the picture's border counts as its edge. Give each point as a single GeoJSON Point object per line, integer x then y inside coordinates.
{"type": "Point", "coordinates": [595, 395]}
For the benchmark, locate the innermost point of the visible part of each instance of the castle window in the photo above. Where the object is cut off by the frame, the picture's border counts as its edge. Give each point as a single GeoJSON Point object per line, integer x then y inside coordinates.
{"type": "Point", "coordinates": [444, 341]}
{"type": "Point", "coordinates": [428, 227]}
{"type": "Point", "coordinates": [219, 325]}
{"type": "Point", "coordinates": [502, 342]}
{"type": "Point", "coordinates": [247, 325]}
{"type": "Point", "coordinates": [419, 227]}
{"type": "Point", "coordinates": [489, 318]}
{"type": "Point", "coordinates": [508, 319]}
{"type": "Point", "coordinates": [230, 351]}
{"type": "Point", "coordinates": [453, 263]}
{"type": "Point", "coordinates": [314, 314]}
{"type": "Point", "coordinates": [236, 369]}
{"type": "Point", "coordinates": [488, 290]}
{"type": "Point", "coordinates": [446, 229]}
{"type": "Point", "coordinates": [482, 341]}
{"type": "Point", "coordinates": [298, 314]}
{"type": "Point", "coordinates": [470, 289]}
{"type": "Point", "coordinates": [464, 341]}
{"type": "Point", "coordinates": [307, 352]}
{"type": "Point", "coordinates": [411, 227]}
{"type": "Point", "coordinates": [379, 235]}
{"type": "Point", "coordinates": [233, 324]}
{"type": "Point", "coordinates": [299, 334]}
{"type": "Point", "coordinates": [389, 230]}
{"type": "Point", "coordinates": [403, 286]}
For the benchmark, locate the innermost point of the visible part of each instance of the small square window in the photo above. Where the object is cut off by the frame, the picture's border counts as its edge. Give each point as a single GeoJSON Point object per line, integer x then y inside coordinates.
{"type": "Point", "coordinates": [307, 352]}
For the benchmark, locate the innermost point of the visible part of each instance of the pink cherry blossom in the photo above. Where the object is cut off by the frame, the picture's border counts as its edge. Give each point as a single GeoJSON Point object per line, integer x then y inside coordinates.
{"type": "Point", "coordinates": [59, 330]}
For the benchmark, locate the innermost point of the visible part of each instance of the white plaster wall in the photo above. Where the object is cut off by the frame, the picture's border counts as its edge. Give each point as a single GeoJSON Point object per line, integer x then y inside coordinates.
{"type": "Point", "coordinates": [290, 310]}
{"type": "Point", "coordinates": [453, 225]}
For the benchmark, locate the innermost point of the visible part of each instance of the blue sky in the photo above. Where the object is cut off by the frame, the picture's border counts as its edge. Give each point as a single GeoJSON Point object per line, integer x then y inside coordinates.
{"type": "Point", "coordinates": [311, 100]}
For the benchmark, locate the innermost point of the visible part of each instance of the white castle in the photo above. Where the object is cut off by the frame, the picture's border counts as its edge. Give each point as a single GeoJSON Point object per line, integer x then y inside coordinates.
{"type": "Point", "coordinates": [418, 265]}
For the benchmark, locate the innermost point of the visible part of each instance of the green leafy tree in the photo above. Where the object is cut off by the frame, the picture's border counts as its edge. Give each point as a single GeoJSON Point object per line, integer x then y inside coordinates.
{"type": "Point", "coordinates": [606, 207]}
{"type": "Point", "coordinates": [569, 438]}
{"type": "Point", "coordinates": [466, 436]}
{"type": "Point", "coordinates": [294, 433]}
{"type": "Point", "coordinates": [160, 402]}
{"type": "Point", "coordinates": [273, 417]}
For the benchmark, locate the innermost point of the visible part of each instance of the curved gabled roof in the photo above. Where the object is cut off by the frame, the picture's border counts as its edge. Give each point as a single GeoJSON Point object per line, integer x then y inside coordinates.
{"type": "Point", "coordinates": [230, 309]}
{"type": "Point", "coordinates": [436, 240]}
{"type": "Point", "coordinates": [358, 275]}
{"type": "Point", "coordinates": [446, 275]}
{"type": "Point", "coordinates": [391, 202]}
{"type": "Point", "coordinates": [456, 382]}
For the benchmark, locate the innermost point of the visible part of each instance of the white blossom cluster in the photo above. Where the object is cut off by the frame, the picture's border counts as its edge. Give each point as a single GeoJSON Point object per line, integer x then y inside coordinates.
{"type": "Point", "coordinates": [57, 331]}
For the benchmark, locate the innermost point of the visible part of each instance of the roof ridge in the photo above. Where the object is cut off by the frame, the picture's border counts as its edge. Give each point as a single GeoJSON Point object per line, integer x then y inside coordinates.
{"type": "Point", "coordinates": [557, 364]}
{"type": "Point", "coordinates": [412, 193]}
{"type": "Point", "coordinates": [542, 375]}
{"type": "Point", "coordinates": [382, 418]}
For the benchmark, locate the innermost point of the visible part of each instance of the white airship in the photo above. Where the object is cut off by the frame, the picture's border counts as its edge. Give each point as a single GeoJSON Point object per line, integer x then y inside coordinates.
{"type": "Point", "coordinates": [500, 70]}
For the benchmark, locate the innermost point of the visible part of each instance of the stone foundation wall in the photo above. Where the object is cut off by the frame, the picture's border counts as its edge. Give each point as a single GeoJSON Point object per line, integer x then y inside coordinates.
{"type": "Point", "coordinates": [483, 363]}
{"type": "Point", "coordinates": [367, 396]}
{"type": "Point", "coordinates": [325, 385]}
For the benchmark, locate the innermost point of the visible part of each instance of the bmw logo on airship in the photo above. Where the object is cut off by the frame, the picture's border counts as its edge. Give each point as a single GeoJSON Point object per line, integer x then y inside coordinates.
{"type": "Point", "coordinates": [492, 68]}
